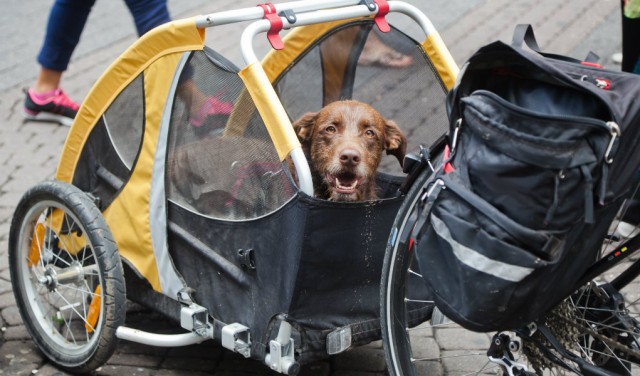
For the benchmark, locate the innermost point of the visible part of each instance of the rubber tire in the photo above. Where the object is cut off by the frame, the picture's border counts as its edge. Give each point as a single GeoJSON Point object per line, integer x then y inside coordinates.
{"type": "Point", "coordinates": [394, 276]}
{"type": "Point", "coordinates": [72, 200]}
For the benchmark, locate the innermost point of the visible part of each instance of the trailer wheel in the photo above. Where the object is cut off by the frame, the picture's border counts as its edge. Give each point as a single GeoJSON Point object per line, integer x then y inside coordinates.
{"type": "Point", "coordinates": [67, 276]}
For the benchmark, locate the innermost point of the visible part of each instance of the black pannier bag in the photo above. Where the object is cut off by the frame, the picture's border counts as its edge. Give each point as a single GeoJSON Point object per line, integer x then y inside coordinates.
{"type": "Point", "coordinates": [542, 152]}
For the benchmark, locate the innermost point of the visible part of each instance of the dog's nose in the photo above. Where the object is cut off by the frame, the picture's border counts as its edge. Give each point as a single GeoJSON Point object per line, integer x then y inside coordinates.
{"type": "Point", "coordinates": [350, 157]}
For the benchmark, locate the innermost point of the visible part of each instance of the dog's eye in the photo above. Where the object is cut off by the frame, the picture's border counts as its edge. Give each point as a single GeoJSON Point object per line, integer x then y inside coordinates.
{"type": "Point", "coordinates": [370, 133]}
{"type": "Point", "coordinates": [330, 129]}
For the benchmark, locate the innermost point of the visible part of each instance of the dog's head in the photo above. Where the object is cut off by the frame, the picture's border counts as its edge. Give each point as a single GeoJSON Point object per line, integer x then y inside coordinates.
{"type": "Point", "coordinates": [345, 141]}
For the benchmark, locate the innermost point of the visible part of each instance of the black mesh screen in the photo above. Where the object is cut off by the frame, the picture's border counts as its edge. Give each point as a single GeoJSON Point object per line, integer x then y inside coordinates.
{"type": "Point", "coordinates": [221, 161]}
{"type": "Point", "coordinates": [124, 121]}
{"type": "Point", "coordinates": [114, 143]}
{"type": "Point", "coordinates": [413, 96]}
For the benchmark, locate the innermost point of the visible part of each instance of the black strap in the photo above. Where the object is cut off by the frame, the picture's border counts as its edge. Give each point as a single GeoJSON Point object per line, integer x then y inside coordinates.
{"type": "Point", "coordinates": [588, 195]}
{"type": "Point", "coordinates": [523, 34]}
{"type": "Point", "coordinates": [592, 57]}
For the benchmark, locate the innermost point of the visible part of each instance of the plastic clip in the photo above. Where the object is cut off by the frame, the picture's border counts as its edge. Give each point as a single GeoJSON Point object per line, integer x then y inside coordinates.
{"type": "Point", "coordinates": [273, 35]}
{"type": "Point", "coordinates": [383, 10]}
{"type": "Point", "coordinates": [380, 20]}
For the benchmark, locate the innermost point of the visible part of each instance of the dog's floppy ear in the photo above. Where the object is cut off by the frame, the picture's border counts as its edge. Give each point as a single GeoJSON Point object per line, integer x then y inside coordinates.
{"type": "Point", "coordinates": [395, 141]}
{"type": "Point", "coordinates": [304, 126]}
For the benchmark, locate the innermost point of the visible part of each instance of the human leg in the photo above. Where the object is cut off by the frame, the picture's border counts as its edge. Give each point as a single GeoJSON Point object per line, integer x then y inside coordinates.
{"type": "Point", "coordinates": [148, 14]}
{"type": "Point", "coordinates": [64, 27]}
{"type": "Point", "coordinates": [45, 100]}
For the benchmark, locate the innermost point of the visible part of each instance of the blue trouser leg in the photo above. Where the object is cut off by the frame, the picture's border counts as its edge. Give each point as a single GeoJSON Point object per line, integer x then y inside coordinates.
{"type": "Point", "coordinates": [66, 22]}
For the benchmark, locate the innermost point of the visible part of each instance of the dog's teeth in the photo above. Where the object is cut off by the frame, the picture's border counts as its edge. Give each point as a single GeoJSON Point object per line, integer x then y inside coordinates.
{"type": "Point", "coordinates": [353, 185]}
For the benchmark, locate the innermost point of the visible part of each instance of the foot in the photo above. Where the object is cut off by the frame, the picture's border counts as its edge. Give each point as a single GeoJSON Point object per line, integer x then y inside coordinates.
{"type": "Point", "coordinates": [376, 53]}
{"type": "Point", "coordinates": [212, 107]}
{"type": "Point", "coordinates": [54, 106]}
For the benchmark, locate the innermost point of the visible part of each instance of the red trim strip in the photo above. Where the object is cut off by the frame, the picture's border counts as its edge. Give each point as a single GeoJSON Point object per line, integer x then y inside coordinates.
{"type": "Point", "coordinates": [589, 64]}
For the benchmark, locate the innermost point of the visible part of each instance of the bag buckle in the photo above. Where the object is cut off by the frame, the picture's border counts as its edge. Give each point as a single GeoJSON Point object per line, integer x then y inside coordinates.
{"type": "Point", "coordinates": [614, 130]}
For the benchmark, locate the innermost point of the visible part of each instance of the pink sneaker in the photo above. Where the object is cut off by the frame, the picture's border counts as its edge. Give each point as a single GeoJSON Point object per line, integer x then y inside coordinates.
{"type": "Point", "coordinates": [54, 106]}
{"type": "Point", "coordinates": [211, 108]}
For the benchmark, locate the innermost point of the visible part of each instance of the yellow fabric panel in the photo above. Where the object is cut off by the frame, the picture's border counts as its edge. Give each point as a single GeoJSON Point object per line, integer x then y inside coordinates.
{"type": "Point", "coordinates": [128, 214]}
{"type": "Point", "coordinates": [268, 104]}
{"type": "Point", "coordinates": [441, 59]}
{"type": "Point", "coordinates": [176, 36]}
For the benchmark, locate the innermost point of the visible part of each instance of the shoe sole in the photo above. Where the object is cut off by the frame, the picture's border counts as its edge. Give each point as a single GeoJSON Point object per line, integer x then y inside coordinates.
{"type": "Point", "coordinates": [49, 118]}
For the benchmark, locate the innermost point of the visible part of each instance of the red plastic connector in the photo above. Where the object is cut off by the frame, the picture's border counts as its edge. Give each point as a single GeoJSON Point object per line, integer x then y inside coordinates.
{"type": "Point", "coordinates": [379, 19]}
{"type": "Point", "coordinates": [273, 35]}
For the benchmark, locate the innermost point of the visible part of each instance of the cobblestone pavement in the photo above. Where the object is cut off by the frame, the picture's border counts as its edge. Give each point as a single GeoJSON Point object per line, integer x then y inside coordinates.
{"type": "Point", "coordinates": [29, 151]}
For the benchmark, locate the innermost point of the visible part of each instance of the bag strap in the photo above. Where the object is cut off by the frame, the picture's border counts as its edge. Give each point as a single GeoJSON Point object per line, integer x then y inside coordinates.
{"type": "Point", "coordinates": [523, 35]}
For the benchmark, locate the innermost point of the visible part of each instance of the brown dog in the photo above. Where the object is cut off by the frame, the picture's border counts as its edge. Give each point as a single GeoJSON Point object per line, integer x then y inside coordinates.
{"type": "Point", "coordinates": [344, 142]}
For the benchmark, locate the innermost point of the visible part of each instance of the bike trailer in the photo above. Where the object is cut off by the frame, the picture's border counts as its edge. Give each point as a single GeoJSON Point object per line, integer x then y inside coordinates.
{"type": "Point", "coordinates": [210, 226]}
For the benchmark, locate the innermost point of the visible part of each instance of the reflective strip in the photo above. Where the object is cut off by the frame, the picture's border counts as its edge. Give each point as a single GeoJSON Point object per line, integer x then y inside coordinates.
{"type": "Point", "coordinates": [128, 215]}
{"type": "Point", "coordinates": [477, 261]}
{"type": "Point", "coordinates": [441, 58]}
{"type": "Point", "coordinates": [170, 280]}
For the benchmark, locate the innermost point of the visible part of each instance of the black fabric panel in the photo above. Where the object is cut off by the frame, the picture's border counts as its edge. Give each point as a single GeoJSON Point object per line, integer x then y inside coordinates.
{"type": "Point", "coordinates": [339, 273]}
{"type": "Point", "coordinates": [256, 296]}
{"type": "Point", "coordinates": [317, 262]}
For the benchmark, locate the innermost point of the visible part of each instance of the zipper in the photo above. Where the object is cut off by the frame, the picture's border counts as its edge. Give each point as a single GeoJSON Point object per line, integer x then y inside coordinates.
{"type": "Point", "coordinates": [600, 124]}
{"type": "Point", "coordinates": [601, 83]}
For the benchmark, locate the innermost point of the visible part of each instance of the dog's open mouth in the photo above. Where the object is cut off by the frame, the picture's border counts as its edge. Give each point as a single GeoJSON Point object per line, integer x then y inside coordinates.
{"type": "Point", "coordinates": [345, 183]}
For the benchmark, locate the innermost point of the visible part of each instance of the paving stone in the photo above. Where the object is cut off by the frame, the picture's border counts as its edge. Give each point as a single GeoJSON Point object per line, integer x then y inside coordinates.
{"type": "Point", "coordinates": [7, 299]}
{"type": "Point", "coordinates": [20, 357]}
{"type": "Point", "coordinates": [316, 369]}
{"type": "Point", "coordinates": [234, 362]}
{"type": "Point", "coordinates": [360, 358]}
{"type": "Point", "coordinates": [15, 333]}
{"type": "Point", "coordinates": [49, 370]}
{"type": "Point", "coordinates": [134, 360]}
{"type": "Point", "coordinates": [11, 316]}
{"type": "Point", "coordinates": [208, 349]}
{"type": "Point", "coordinates": [464, 362]}
{"type": "Point", "coordinates": [110, 370]}
{"type": "Point", "coordinates": [458, 338]}
{"type": "Point", "coordinates": [191, 364]}
{"type": "Point", "coordinates": [5, 286]}
{"type": "Point", "coordinates": [177, 372]}
{"type": "Point", "coordinates": [5, 273]}
{"type": "Point", "coordinates": [127, 347]}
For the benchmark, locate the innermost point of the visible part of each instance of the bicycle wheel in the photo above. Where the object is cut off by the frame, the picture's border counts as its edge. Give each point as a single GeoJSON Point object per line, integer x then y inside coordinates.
{"type": "Point", "coordinates": [597, 326]}
{"type": "Point", "coordinates": [67, 276]}
{"type": "Point", "coordinates": [436, 347]}
{"type": "Point", "coordinates": [600, 323]}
